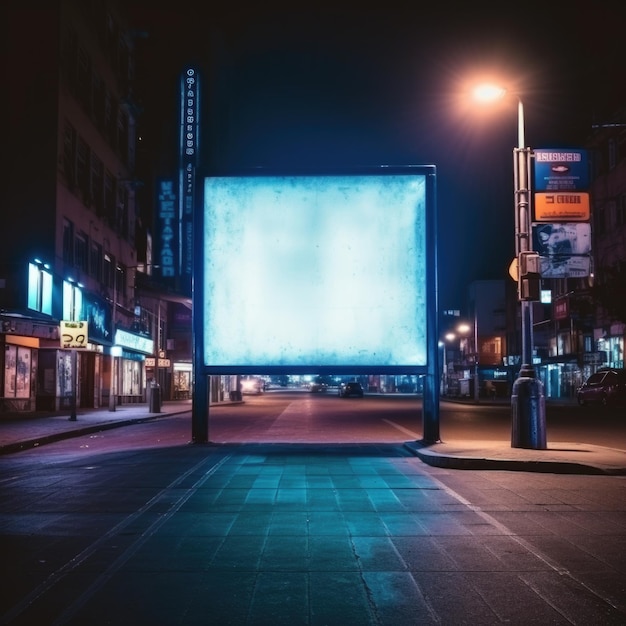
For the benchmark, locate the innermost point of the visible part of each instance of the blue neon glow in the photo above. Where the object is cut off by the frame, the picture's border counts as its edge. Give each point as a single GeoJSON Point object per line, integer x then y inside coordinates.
{"type": "Point", "coordinates": [309, 270]}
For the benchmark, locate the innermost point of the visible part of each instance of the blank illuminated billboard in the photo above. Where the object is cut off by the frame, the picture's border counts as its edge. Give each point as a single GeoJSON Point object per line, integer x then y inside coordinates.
{"type": "Point", "coordinates": [315, 272]}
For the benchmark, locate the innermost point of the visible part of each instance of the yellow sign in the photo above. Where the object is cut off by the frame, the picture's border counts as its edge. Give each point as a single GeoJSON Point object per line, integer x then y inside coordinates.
{"type": "Point", "coordinates": [152, 362]}
{"type": "Point", "coordinates": [73, 334]}
{"type": "Point", "coordinates": [562, 207]}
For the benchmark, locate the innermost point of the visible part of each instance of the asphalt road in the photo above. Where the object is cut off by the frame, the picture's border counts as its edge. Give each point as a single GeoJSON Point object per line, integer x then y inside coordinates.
{"type": "Point", "coordinates": [137, 525]}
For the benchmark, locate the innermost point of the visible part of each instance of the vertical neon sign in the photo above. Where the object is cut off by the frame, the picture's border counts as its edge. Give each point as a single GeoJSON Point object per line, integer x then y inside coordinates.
{"type": "Point", "coordinates": [189, 134]}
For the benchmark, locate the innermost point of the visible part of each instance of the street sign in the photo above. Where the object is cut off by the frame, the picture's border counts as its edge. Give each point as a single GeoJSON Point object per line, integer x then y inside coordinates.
{"type": "Point", "coordinates": [561, 170]}
{"type": "Point", "coordinates": [562, 207]}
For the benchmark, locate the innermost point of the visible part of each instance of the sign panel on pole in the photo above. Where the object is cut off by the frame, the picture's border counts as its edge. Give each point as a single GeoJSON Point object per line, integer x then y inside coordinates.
{"type": "Point", "coordinates": [558, 169]}
{"type": "Point", "coordinates": [562, 207]}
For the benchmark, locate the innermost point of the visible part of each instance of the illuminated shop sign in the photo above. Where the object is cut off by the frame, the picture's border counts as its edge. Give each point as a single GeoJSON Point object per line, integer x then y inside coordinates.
{"type": "Point", "coordinates": [139, 343]}
{"type": "Point", "coordinates": [74, 334]}
{"type": "Point", "coordinates": [167, 245]}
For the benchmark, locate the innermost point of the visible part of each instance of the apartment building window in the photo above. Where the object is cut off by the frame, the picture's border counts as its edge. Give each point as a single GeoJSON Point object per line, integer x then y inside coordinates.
{"type": "Point", "coordinates": [72, 301]}
{"type": "Point", "coordinates": [81, 259]}
{"type": "Point", "coordinates": [122, 211]}
{"type": "Point", "coordinates": [122, 135]}
{"type": "Point", "coordinates": [83, 170]}
{"type": "Point", "coordinates": [69, 155]}
{"type": "Point", "coordinates": [110, 106]}
{"type": "Point", "coordinates": [39, 288]}
{"type": "Point", "coordinates": [68, 242]}
{"type": "Point", "coordinates": [108, 275]}
{"type": "Point", "coordinates": [109, 197]}
{"type": "Point", "coordinates": [95, 261]}
{"type": "Point", "coordinates": [97, 183]}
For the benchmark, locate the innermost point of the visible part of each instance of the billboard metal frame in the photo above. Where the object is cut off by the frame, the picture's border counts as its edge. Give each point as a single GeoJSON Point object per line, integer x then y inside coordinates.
{"type": "Point", "coordinates": [430, 370]}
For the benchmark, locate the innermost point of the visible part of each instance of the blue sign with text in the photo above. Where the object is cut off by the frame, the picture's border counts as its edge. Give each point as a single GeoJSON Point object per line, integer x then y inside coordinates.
{"type": "Point", "coordinates": [560, 169]}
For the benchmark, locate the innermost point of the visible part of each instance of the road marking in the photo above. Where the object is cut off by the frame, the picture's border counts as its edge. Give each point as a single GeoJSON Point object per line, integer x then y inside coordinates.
{"type": "Point", "coordinates": [402, 429]}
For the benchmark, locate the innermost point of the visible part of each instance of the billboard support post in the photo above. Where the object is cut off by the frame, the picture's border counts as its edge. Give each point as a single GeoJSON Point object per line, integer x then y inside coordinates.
{"type": "Point", "coordinates": [528, 413]}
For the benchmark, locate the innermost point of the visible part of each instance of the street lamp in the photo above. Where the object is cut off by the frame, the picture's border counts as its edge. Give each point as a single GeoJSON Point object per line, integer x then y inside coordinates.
{"type": "Point", "coordinates": [528, 428]}
{"type": "Point", "coordinates": [464, 329]}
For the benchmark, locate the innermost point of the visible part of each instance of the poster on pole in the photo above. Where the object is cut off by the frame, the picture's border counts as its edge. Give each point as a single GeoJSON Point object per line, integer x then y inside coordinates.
{"type": "Point", "coordinates": [564, 249]}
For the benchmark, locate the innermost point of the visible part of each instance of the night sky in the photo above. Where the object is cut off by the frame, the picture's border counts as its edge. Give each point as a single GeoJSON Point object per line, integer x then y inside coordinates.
{"type": "Point", "coordinates": [347, 86]}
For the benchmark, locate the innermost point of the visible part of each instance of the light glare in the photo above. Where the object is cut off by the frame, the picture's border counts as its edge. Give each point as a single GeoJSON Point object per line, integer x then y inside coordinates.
{"type": "Point", "coordinates": [488, 92]}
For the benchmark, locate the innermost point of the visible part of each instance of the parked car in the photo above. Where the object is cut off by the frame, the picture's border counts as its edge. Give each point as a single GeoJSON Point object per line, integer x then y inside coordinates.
{"type": "Point", "coordinates": [606, 386]}
{"type": "Point", "coordinates": [351, 389]}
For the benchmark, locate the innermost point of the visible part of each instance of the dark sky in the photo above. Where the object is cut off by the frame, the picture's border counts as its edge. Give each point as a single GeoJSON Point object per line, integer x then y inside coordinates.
{"type": "Point", "coordinates": [341, 85]}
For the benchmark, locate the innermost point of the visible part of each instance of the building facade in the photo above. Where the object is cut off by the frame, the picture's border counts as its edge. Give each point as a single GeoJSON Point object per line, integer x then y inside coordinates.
{"type": "Point", "coordinates": [72, 247]}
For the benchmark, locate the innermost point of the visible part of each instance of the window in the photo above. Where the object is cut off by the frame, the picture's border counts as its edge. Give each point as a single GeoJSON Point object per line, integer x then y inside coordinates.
{"type": "Point", "coordinates": [109, 197]}
{"type": "Point", "coordinates": [95, 261]}
{"type": "Point", "coordinates": [97, 183]}
{"type": "Point", "coordinates": [72, 301]}
{"type": "Point", "coordinates": [81, 260]}
{"type": "Point", "coordinates": [122, 135]}
{"type": "Point", "coordinates": [109, 117]}
{"type": "Point", "coordinates": [39, 288]}
{"type": "Point", "coordinates": [17, 372]}
{"type": "Point", "coordinates": [83, 170]}
{"type": "Point", "coordinates": [69, 155]}
{"type": "Point", "coordinates": [107, 271]}
{"type": "Point", "coordinates": [68, 242]}
{"type": "Point", "coordinates": [122, 211]}
{"type": "Point", "coordinates": [98, 102]}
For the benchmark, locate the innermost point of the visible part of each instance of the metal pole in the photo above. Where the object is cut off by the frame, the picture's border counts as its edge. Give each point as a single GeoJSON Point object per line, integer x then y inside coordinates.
{"type": "Point", "coordinates": [476, 390]}
{"type": "Point", "coordinates": [72, 417]}
{"type": "Point", "coordinates": [113, 389]}
{"type": "Point", "coordinates": [528, 428]}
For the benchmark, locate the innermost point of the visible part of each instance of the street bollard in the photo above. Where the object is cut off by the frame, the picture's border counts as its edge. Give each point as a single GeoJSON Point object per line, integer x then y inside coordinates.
{"type": "Point", "coordinates": [155, 398]}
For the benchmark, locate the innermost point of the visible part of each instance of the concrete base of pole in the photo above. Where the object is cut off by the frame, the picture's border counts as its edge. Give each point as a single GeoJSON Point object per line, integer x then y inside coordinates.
{"type": "Point", "coordinates": [112, 399]}
{"type": "Point", "coordinates": [528, 410]}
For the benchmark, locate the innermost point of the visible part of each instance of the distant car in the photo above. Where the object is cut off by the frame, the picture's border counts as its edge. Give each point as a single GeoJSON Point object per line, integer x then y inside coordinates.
{"type": "Point", "coordinates": [351, 389]}
{"type": "Point", "coordinates": [252, 386]}
{"type": "Point", "coordinates": [607, 386]}
{"type": "Point", "coordinates": [318, 386]}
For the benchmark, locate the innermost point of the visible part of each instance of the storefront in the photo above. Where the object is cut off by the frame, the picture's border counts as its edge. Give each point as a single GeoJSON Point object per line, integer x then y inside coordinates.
{"type": "Point", "coordinates": [127, 358]}
{"type": "Point", "coordinates": [19, 363]}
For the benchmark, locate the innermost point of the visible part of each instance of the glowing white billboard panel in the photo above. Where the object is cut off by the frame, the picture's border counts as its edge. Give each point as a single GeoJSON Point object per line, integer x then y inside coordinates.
{"type": "Point", "coordinates": [309, 271]}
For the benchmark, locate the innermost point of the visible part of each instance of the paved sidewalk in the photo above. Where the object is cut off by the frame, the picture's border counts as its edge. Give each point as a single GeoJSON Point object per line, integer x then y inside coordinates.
{"type": "Point", "coordinates": [29, 430]}
{"type": "Point", "coordinates": [23, 432]}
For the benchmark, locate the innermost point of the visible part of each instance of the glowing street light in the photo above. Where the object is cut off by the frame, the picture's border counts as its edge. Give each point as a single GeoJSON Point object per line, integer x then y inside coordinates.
{"type": "Point", "coordinates": [527, 399]}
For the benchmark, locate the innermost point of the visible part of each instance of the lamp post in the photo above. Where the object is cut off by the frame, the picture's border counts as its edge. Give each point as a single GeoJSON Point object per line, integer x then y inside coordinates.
{"type": "Point", "coordinates": [528, 427]}
{"type": "Point", "coordinates": [464, 330]}
{"type": "Point", "coordinates": [114, 349]}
